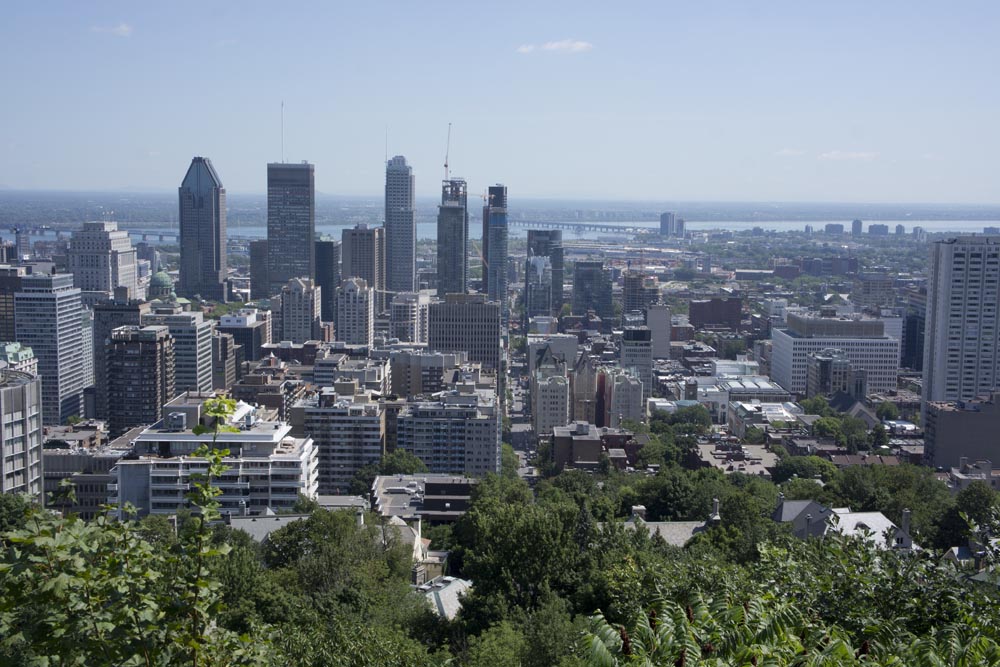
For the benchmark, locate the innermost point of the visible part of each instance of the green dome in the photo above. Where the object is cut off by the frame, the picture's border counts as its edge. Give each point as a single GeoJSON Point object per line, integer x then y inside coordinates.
{"type": "Point", "coordinates": [161, 279]}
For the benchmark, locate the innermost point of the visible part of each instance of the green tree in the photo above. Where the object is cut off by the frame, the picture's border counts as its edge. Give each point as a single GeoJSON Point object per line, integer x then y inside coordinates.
{"type": "Point", "coordinates": [880, 438]}
{"type": "Point", "coordinates": [77, 593]}
{"type": "Point", "coordinates": [887, 411]}
{"type": "Point", "coordinates": [804, 467]}
{"type": "Point", "coordinates": [509, 463]}
{"type": "Point", "coordinates": [500, 646]}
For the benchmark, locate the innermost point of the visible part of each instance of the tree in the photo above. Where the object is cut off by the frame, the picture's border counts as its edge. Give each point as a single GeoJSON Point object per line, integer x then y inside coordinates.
{"type": "Point", "coordinates": [817, 405]}
{"type": "Point", "coordinates": [77, 593]}
{"type": "Point", "coordinates": [14, 511]}
{"type": "Point", "coordinates": [500, 646]}
{"type": "Point", "coordinates": [887, 411]}
{"type": "Point", "coordinates": [978, 502]}
{"type": "Point", "coordinates": [398, 462]}
{"type": "Point", "coordinates": [828, 427]}
{"type": "Point", "coordinates": [880, 438]}
{"type": "Point", "coordinates": [509, 463]}
{"type": "Point", "coordinates": [803, 467]}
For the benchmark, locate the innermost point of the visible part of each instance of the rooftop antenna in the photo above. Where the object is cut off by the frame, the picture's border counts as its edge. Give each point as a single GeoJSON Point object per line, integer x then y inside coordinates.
{"type": "Point", "coordinates": [447, 150]}
{"type": "Point", "coordinates": [282, 130]}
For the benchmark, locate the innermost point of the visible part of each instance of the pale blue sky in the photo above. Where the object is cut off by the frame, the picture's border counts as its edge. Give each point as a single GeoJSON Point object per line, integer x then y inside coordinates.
{"type": "Point", "coordinates": [774, 100]}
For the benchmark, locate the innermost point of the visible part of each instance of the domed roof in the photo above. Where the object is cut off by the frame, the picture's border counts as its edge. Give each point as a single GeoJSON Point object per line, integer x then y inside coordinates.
{"type": "Point", "coordinates": [161, 279]}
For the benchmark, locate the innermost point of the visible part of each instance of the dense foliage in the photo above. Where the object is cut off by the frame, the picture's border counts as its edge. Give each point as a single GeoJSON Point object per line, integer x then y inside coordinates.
{"type": "Point", "coordinates": [559, 579]}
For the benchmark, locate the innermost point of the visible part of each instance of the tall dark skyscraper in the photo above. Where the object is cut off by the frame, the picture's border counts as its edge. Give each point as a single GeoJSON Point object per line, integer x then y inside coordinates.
{"type": "Point", "coordinates": [548, 243]}
{"type": "Point", "coordinates": [495, 246]}
{"type": "Point", "coordinates": [328, 277]}
{"type": "Point", "coordinates": [453, 238]}
{"type": "Point", "coordinates": [203, 232]}
{"type": "Point", "coordinates": [592, 289]}
{"type": "Point", "coordinates": [291, 223]}
{"type": "Point", "coordinates": [400, 226]}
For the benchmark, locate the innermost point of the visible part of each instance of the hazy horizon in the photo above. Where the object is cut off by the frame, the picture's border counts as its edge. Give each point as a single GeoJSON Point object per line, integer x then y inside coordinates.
{"type": "Point", "coordinates": [784, 102]}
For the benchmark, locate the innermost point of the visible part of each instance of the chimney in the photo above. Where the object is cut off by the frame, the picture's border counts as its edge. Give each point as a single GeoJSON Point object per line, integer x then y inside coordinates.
{"type": "Point", "coordinates": [781, 501]}
{"type": "Point", "coordinates": [638, 512]}
{"type": "Point", "coordinates": [359, 514]}
{"type": "Point", "coordinates": [963, 463]}
{"type": "Point", "coordinates": [715, 518]}
{"type": "Point", "coordinates": [809, 520]}
{"type": "Point", "coordinates": [244, 510]}
{"type": "Point", "coordinates": [906, 521]}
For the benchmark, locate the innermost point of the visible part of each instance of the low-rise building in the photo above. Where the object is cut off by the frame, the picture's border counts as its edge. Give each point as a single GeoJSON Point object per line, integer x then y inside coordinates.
{"type": "Point", "coordinates": [268, 468]}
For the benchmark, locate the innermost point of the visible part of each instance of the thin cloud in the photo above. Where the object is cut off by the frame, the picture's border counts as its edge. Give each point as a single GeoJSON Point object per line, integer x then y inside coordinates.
{"type": "Point", "coordinates": [561, 46]}
{"type": "Point", "coordinates": [790, 152]}
{"type": "Point", "coordinates": [120, 30]}
{"type": "Point", "coordinates": [568, 45]}
{"type": "Point", "coordinates": [861, 156]}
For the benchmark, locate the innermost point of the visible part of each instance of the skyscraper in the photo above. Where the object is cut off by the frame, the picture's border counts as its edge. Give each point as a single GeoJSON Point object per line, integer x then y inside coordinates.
{"type": "Point", "coordinates": [453, 239]}
{"type": "Point", "coordinates": [108, 316]}
{"type": "Point", "coordinates": [363, 256]}
{"type": "Point", "coordinates": [192, 346]}
{"type": "Point", "coordinates": [328, 277]}
{"type": "Point", "coordinates": [548, 243]}
{"type": "Point", "coordinates": [203, 232]}
{"type": "Point", "coordinates": [291, 223]}
{"type": "Point", "coordinates": [10, 284]}
{"type": "Point", "coordinates": [400, 227]}
{"type": "Point", "coordinates": [592, 290]}
{"type": "Point", "coordinates": [101, 258]}
{"type": "Point", "coordinates": [48, 317]}
{"type": "Point", "coordinates": [537, 288]}
{"type": "Point", "coordinates": [962, 338]}
{"type": "Point", "coordinates": [140, 368]}
{"type": "Point", "coordinates": [495, 246]}
{"type": "Point", "coordinates": [671, 225]}
{"type": "Point", "coordinates": [260, 284]}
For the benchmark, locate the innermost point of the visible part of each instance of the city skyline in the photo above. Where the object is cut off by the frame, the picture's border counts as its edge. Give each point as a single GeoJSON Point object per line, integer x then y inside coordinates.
{"type": "Point", "coordinates": [729, 103]}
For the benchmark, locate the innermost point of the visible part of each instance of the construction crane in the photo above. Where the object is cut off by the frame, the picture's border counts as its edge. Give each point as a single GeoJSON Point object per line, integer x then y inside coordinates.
{"type": "Point", "coordinates": [447, 150]}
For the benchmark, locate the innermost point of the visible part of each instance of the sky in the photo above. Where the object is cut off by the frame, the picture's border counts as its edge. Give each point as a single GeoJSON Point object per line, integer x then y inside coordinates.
{"type": "Point", "coordinates": [668, 101]}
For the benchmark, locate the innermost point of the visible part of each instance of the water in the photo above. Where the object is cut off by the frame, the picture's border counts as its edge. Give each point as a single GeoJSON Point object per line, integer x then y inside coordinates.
{"type": "Point", "coordinates": [428, 230]}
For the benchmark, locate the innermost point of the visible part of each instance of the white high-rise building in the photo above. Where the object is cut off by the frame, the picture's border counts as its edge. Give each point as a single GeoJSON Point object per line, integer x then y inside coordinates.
{"type": "Point", "coordinates": [48, 318]}
{"type": "Point", "coordinates": [962, 337]}
{"type": "Point", "coordinates": [300, 310]}
{"type": "Point", "coordinates": [20, 432]}
{"type": "Point", "coordinates": [101, 258]}
{"type": "Point", "coordinates": [637, 357]}
{"type": "Point", "coordinates": [192, 346]}
{"type": "Point", "coordinates": [400, 227]}
{"type": "Point", "coordinates": [408, 316]}
{"type": "Point", "coordinates": [622, 397]}
{"type": "Point", "coordinates": [355, 312]}
{"type": "Point", "coordinates": [863, 341]}
{"type": "Point", "coordinates": [550, 401]}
